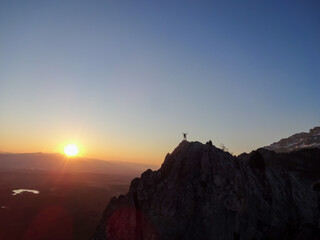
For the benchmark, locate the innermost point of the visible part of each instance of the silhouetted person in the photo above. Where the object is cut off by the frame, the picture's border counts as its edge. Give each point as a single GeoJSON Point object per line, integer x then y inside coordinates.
{"type": "Point", "coordinates": [184, 136]}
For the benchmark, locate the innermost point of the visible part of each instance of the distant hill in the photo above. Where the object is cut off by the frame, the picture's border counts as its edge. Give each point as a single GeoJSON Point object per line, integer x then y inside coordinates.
{"type": "Point", "coordinates": [59, 162]}
{"type": "Point", "coordinates": [297, 141]}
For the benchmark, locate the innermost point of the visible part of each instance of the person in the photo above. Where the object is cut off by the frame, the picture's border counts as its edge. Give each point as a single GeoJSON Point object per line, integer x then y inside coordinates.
{"type": "Point", "coordinates": [185, 136]}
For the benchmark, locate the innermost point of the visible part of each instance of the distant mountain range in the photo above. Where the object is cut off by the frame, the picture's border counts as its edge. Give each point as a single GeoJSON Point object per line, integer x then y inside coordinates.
{"type": "Point", "coordinates": [59, 162]}
{"type": "Point", "coordinates": [297, 141]}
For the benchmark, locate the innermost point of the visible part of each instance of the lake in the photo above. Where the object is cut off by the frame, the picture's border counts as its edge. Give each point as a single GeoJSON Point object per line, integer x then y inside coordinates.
{"type": "Point", "coordinates": [18, 191]}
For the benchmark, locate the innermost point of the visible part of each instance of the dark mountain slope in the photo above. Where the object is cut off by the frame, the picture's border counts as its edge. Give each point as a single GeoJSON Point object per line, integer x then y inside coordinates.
{"type": "Point", "coordinates": [201, 192]}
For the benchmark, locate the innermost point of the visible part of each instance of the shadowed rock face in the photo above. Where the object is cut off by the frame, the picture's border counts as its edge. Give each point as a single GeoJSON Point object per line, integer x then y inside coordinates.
{"type": "Point", "coordinates": [201, 192]}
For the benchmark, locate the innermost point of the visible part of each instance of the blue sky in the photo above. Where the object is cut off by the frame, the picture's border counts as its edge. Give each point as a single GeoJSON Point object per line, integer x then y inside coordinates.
{"type": "Point", "coordinates": [123, 79]}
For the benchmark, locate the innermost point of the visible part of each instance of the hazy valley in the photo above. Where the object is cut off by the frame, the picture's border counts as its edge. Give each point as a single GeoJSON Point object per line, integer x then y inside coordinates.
{"type": "Point", "coordinates": [72, 194]}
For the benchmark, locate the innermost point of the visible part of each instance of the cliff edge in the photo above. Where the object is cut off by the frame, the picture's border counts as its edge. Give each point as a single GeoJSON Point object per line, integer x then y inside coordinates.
{"type": "Point", "coordinates": [202, 192]}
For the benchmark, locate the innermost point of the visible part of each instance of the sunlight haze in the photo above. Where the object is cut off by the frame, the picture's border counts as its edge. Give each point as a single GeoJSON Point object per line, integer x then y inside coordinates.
{"type": "Point", "coordinates": [124, 79]}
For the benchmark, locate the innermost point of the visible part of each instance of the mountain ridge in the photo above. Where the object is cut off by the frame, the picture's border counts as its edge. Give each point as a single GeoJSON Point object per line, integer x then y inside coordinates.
{"type": "Point", "coordinates": [297, 141]}
{"type": "Point", "coordinates": [59, 162]}
{"type": "Point", "coordinates": [202, 192]}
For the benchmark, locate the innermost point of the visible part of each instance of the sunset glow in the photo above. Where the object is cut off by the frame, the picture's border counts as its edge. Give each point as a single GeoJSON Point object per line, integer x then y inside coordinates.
{"type": "Point", "coordinates": [159, 119]}
{"type": "Point", "coordinates": [122, 83]}
{"type": "Point", "coordinates": [71, 150]}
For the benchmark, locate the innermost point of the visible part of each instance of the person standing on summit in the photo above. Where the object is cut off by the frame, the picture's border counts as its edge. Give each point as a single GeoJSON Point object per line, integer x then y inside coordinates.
{"type": "Point", "coordinates": [184, 136]}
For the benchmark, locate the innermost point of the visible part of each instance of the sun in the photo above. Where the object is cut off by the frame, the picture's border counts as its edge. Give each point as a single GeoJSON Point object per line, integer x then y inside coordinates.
{"type": "Point", "coordinates": [71, 150]}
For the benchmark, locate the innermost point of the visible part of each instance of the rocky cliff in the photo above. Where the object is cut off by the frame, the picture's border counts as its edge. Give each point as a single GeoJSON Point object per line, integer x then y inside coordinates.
{"type": "Point", "coordinates": [202, 192]}
{"type": "Point", "coordinates": [297, 141]}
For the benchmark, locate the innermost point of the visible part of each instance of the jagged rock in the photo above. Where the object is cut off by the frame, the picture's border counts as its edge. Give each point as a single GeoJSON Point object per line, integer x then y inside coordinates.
{"type": "Point", "coordinates": [202, 192]}
{"type": "Point", "coordinates": [297, 141]}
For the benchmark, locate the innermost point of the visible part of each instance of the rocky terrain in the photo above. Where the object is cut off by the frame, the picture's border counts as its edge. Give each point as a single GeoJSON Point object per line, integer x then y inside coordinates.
{"type": "Point", "coordinates": [297, 141]}
{"type": "Point", "coordinates": [202, 192]}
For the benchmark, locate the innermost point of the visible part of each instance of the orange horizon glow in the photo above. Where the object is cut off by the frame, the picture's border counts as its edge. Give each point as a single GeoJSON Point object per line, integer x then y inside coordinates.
{"type": "Point", "coordinates": [113, 148]}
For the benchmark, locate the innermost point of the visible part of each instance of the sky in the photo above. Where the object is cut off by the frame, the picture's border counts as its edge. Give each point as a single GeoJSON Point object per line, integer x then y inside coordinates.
{"type": "Point", "coordinates": [124, 79]}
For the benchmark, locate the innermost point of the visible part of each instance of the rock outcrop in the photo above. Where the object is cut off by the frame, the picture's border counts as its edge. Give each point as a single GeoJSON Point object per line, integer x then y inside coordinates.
{"type": "Point", "coordinates": [297, 141]}
{"type": "Point", "coordinates": [201, 192]}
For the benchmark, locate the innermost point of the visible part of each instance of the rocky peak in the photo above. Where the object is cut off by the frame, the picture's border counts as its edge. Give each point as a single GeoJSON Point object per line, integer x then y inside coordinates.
{"type": "Point", "coordinates": [297, 141]}
{"type": "Point", "coordinates": [315, 131]}
{"type": "Point", "coordinates": [202, 192]}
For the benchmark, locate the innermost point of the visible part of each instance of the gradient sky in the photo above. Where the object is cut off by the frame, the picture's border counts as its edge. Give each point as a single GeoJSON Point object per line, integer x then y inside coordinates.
{"type": "Point", "coordinates": [124, 79]}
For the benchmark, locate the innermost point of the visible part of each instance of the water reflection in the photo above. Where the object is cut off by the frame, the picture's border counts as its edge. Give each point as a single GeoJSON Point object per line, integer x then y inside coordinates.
{"type": "Point", "coordinates": [18, 191]}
